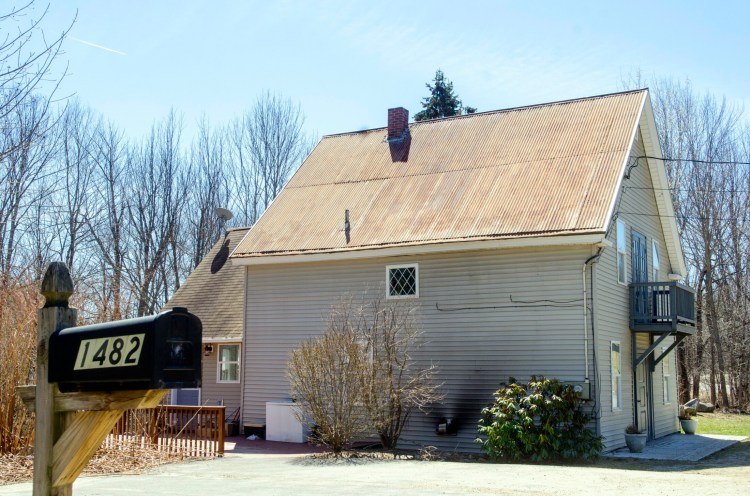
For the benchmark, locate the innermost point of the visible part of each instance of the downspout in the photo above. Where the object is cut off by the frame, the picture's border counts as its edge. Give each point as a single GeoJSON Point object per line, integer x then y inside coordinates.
{"type": "Point", "coordinates": [592, 259]}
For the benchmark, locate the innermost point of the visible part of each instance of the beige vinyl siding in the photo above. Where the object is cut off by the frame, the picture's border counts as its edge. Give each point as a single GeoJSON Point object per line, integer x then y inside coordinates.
{"type": "Point", "coordinates": [475, 349]}
{"type": "Point", "coordinates": [636, 206]}
{"type": "Point", "coordinates": [665, 415]}
{"type": "Point", "coordinates": [215, 393]}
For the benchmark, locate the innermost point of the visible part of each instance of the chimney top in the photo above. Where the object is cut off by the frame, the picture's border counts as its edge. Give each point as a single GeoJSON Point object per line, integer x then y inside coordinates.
{"type": "Point", "coordinates": [398, 122]}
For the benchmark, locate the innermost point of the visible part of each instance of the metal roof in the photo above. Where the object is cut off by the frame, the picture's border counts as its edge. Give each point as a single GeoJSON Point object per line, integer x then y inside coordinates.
{"type": "Point", "coordinates": [543, 170]}
{"type": "Point", "coordinates": [215, 291]}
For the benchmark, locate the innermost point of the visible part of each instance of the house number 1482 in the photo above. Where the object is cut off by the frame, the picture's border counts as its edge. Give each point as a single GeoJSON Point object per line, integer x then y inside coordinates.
{"type": "Point", "coordinates": [115, 351]}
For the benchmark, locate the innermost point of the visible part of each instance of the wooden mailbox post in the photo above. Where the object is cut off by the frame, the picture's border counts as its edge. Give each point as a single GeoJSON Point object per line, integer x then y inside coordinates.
{"type": "Point", "coordinates": [71, 426]}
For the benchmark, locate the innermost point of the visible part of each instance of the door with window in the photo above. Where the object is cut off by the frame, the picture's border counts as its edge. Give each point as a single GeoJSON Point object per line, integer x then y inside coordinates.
{"type": "Point", "coordinates": [639, 273]}
{"type": "Point", "coordinates": [639, 261]}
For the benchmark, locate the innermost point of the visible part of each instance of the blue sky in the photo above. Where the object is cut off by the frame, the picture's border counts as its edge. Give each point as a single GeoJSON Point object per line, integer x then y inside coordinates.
{"type": "Point", "coordinates": [347, 62]}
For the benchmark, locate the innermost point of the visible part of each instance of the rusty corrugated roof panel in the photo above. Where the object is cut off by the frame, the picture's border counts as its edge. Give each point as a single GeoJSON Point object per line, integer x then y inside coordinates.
{"type": "Point", "coordinates": [215, 291]}
{"type": "Point", "coordinates": [531, 171]}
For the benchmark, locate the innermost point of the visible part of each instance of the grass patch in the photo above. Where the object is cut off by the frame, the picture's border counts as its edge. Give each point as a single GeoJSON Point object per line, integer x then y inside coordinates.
{"type": "Point", "coordinates": [730, 424]}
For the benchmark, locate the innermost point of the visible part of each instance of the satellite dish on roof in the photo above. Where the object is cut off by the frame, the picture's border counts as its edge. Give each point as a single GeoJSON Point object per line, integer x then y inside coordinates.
{"type": "Point", "coordinates": [223, 214]}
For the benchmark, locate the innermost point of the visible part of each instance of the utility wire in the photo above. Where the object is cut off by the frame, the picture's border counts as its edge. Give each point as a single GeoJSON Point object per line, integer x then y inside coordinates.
{"type": "Point", "coordinates": [694, 217]}
{"type": "Point", "coordinates": [699, 161]}
{"type": "Point", "coordinates": [701, 190]}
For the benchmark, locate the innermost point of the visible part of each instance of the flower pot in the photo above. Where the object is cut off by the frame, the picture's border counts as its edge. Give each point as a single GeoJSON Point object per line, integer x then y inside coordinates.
{"type": "Point", "coordinates": [636, 442]}
{"type": "Point", "coordinates": [689, 426]}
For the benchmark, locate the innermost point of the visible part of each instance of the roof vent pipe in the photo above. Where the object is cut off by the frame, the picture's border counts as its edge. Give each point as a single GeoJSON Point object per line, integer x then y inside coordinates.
{"type": "Point", "coordinates": [398, 122]}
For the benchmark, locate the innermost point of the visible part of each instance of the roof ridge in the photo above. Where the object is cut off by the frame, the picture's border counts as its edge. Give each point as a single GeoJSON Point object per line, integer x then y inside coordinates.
{"type": "Point", "coordinates": [496, 111]}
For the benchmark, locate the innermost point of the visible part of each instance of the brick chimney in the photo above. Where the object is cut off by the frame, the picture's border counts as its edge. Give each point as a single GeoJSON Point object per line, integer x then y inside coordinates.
{"type": "Point", "coordinates": [398, 122]}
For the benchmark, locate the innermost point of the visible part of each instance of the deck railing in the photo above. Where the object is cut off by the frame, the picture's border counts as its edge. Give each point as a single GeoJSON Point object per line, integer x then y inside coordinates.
{"type": "Point", "coordinates": [195, 431]}
{"type": "Point", "coordinates": [656, 306]}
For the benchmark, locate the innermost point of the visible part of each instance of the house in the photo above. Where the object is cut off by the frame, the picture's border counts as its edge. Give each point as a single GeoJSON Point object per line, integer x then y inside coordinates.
{"type": "Point", "coordinates": [214, 292]}
{"type": "Point", "coordinates": [528, 238]}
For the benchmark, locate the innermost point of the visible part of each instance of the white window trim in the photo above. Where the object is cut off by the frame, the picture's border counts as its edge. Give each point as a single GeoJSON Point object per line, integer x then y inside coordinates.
{"type": "Point", "coordinates": [621, 237]}
{"type": "Point", "coordinates": [219, 362]}
{"type": "Point", "coordinates": [666, 373]}
{"type": "Point", "coordinates": [655, 261]}
{"type": "Point", "coordinates": [616, 405]}
{"type": "Point", "coordinates": [388, 269]}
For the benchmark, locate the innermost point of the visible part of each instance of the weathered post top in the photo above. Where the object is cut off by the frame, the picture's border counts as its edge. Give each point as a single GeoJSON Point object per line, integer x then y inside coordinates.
{"type": "Point", "coordinates": [57, 285]}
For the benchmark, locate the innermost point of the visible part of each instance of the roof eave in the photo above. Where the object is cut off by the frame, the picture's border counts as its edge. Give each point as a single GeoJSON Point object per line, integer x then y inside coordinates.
{"type": "Point", "coordinates": [588, 238]}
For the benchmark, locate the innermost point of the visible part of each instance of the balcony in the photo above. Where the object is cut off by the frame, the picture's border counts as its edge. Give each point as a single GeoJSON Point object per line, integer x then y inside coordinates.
{"type": "Point", "coordinates": [662, 307]}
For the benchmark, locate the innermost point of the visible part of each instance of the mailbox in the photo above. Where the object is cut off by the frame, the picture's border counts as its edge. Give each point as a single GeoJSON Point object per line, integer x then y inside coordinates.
{"type": "Point", "coordinates": [157, 352]}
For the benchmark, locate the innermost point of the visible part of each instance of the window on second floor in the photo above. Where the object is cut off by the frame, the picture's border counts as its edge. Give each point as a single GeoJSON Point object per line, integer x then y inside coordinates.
{"type": "Point", "coordinates": [621, 252]}
{"type": "Point", "coordinates": [402, 281]}
{"type": "Point", "coordinates": [655, 264]}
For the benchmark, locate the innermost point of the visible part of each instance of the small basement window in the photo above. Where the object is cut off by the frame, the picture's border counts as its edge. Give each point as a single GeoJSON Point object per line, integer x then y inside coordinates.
{"type": "Point", "coordinates": [402, 281]}
{"type": "Point", "coordinates": [229, 363]}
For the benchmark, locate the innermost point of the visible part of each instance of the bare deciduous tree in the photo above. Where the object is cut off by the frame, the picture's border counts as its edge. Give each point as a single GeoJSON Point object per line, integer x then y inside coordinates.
{"type": "Point", "coordinates": [209, 189]}
{"type": "Point", "coordinates": [26, 161]}
{"type": "Point", "coordinates": [701, 138]}
{"type": "Point", "coordinates": [268, 144]}
{"type": "Point", "coordinates": [26, 59]}
{"type": "Point", "coordinates": [157, 196]}
{"type": "Point", "coordinates": [106, 222]}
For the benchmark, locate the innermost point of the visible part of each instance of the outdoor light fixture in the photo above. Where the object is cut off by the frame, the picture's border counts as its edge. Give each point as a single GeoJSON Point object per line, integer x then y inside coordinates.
{"type": "Point", "coordinates": [208, 349]}
{"type": "Point", "coordinates": [447, 427]}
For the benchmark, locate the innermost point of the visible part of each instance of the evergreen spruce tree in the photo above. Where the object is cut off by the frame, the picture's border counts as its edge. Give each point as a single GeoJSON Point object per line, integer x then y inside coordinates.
{"type": "Point", "coordinates": [442, 102]}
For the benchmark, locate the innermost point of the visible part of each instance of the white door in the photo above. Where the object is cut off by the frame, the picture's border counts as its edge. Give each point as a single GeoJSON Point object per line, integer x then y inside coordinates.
{"type": "Point", "coordinates": [642, 397]}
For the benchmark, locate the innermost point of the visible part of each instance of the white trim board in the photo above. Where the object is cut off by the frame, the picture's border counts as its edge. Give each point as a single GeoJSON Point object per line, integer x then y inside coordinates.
{"type": "Point", "coordinates": [497, 244]}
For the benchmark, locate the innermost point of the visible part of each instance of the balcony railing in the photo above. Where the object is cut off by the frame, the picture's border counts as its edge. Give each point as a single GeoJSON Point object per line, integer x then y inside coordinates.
{"type": "Point", "coordinates": [661, 307]}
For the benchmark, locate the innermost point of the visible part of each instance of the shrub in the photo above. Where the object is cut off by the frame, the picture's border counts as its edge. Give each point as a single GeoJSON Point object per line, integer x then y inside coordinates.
{"type": "Point", "coordinates": [541, 420]}
{"type": "Point", "coordinates": [18, 309]}
{"type": "Point", "coordinates": [324, 378]}
{"type": "Point", "coordinates": [394, 385]}
{"type": "Point", "coordinates": [360, 376]}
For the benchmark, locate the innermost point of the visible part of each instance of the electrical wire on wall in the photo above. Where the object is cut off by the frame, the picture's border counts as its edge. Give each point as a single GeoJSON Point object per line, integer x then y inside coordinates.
{"type": "Point", "coordinates": [574, 303]}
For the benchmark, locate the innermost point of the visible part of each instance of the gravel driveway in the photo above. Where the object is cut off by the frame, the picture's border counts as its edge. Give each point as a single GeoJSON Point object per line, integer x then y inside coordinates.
{"type": "Point", "coordinates": [241, 474]}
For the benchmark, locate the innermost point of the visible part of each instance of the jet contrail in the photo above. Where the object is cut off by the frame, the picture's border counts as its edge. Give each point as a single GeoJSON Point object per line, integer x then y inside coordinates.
{"type": "Point", "coordinates": [97, 46]}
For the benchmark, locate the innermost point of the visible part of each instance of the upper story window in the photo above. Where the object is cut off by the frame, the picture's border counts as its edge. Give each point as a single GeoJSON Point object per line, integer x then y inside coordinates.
{"type": "Point", "coordinates": [655, 264]}
{"type": "Point", "coordinates": [621, 252]}
{"type": "Point", "coordinates": [228, 363]}
{"type": "Point", "coordinates": [402, 281]}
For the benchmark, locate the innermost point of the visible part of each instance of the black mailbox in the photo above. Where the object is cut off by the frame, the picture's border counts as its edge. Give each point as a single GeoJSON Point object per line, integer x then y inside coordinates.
{"type": "Point", "coordinates": [157, 352]}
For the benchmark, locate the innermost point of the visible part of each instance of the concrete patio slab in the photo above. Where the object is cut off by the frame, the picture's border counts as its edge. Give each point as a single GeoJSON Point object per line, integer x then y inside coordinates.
{"type": "Point", "coordinates": [680, 447]}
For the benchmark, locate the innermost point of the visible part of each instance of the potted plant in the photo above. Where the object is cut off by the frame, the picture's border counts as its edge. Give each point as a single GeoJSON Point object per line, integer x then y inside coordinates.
{"type": "Point", "coordinates": [688, 423]}
{"type": "Point", "coordinates": [635, 438]}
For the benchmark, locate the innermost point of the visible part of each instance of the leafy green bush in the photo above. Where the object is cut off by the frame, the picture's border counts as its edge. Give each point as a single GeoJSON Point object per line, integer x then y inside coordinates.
{"type": "Point", "coordinates": [541, 420]}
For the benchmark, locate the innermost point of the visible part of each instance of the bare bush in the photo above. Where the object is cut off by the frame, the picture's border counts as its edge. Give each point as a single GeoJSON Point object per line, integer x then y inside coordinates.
{"type": "Point", "coordinates": [361, 375]}
{"type": "Point", "coordinates": [394, 384]}
{"type": "Point", "coordinates": [18, 308]}
{"type": "Point", "coordinates": [324, 377]}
